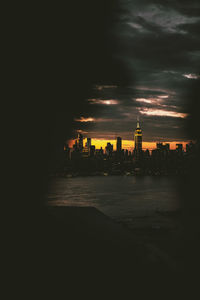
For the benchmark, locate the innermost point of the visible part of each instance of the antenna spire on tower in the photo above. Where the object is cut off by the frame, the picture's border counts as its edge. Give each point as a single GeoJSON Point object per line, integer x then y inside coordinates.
{"type": "Point", "coordinates": [138, 122]}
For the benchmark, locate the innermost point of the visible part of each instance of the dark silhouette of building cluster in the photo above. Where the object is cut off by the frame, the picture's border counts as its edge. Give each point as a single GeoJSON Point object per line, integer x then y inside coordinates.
{"type": "Point", "coordinates": [87, 160]}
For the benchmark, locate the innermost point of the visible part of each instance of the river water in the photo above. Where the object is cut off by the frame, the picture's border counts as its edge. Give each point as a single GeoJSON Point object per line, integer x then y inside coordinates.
{"type": "Point", "coordinates": [124, 198]}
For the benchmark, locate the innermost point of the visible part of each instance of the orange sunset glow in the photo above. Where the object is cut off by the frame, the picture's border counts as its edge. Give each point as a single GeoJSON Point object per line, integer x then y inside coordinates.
{"type": "Point", "coordinates": [126, 144]}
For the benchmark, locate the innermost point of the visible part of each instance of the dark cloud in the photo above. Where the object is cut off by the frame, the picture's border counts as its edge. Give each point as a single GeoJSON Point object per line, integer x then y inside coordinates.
{"type": "Point", "coordinates": [158, 45]}
{"type": "Point", "coordinates": [131, 102]}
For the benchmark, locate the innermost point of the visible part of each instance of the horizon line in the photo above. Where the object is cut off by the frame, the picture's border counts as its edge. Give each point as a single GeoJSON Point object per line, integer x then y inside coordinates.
{"type": "Point", "coordinates": [129, 144]}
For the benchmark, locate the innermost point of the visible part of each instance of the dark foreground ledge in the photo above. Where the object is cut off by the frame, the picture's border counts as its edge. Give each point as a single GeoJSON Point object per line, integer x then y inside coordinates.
{"type": "Point", "coordinates": [90, 229]}
{"type": "Point", "coordinates": [79, 250]}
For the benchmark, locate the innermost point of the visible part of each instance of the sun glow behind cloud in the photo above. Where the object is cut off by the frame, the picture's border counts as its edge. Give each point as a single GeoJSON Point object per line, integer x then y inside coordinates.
{"type": "Point", "coordinates": [164, 96]}
{"type": "Point", "coordinates": [126, 144]}
{"type": "Point", "coordinates": [191, 76]}
{"type": "Point", "coordinates": [90, 119]}
{"type": "Point", "coordinates": [143, 100]}
{"type": "Point", "coordinates": [85, 120]}
{"type": "Point", "coordinates": [161, 112]}
{"type": "Point", "coordinates": [103, 102]}
{"type": "Point", "coordinates": [153, 100]}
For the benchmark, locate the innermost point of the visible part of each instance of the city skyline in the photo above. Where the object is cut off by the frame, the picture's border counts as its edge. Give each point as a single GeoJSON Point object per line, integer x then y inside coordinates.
{"type": "Point", "coordinates": [126, 144]}
{"type": "Point", "coordinates": [85, 158]}
{"type": "Point", "coordinates": [129, 144]}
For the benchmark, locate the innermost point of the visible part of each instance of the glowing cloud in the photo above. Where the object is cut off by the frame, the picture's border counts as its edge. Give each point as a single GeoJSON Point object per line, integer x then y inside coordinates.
{"type": "Point", "coordinates": [96, 120]}
{"type": "Point", "coordinates": [81, 131]}
{"type": "Point", "coordinates": [160, 112]}
{"type": "Point", "coordinates": [145, 88]}
{"type": "Point", "coordinates": [82, 119]}
{"type": "Point", "coordinates": [149, 100]}
{"type": "Point", "coordinates": [103, 102]}
{"type": "Point", "coordinates": [143, 100]}
{"type": "Point", "coordinates": [164, 96]}
{"type": "Point", "coordinates": [191, 76]}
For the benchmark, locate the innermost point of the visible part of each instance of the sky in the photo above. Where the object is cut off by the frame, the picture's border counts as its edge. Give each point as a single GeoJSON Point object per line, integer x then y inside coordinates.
{"type": "Point", "coordinates": [158, 45]}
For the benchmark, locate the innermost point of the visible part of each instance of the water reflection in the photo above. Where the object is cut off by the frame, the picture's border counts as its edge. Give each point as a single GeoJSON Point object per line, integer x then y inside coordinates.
{"type": "Point", "coordinates": [117, 196]}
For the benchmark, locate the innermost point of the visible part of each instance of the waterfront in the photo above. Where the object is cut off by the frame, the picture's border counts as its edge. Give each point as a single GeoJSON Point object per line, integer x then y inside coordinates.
{"type": "Point", "coordinates": [123, 198]}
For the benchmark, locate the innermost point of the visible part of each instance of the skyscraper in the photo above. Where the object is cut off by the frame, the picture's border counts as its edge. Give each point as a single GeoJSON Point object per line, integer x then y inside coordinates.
{"type": "Point", "coordinates": [179, 147]}
{"type": "Point", "coordinates": [80, 142]}
{"type": "Point", "coordinates": [109, 149]}
{"type": "Point", "coordinates": [88, 143]}
{"type": "Point", "coordinates": [119, 144]}
{"type": "Point", "coordinates": [138, 140]}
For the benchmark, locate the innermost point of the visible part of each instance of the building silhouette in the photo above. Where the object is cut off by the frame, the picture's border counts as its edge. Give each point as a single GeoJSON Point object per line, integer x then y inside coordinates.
{"type": "Point", "coordinates": [119, 144]}
{"type": "Point", "coordinates": [89, 143]}
{"type": "Point", "coordinates": [92, 150]}
{"type": "Point", "coordinates": [109, 149]}
{"type": "Point", "coordinates": [163, 146]}
{"type": "Point", "coordinates": [80, 142]}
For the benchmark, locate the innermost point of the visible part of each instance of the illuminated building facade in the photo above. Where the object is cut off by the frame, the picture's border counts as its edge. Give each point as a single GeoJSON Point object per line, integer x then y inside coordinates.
{"type": "Point", "coordinates": [138, 140]}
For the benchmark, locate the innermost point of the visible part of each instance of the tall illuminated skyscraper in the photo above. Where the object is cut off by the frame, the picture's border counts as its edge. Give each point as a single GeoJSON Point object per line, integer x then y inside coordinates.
{"type": "Point", "coordinates": [138, 140]}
